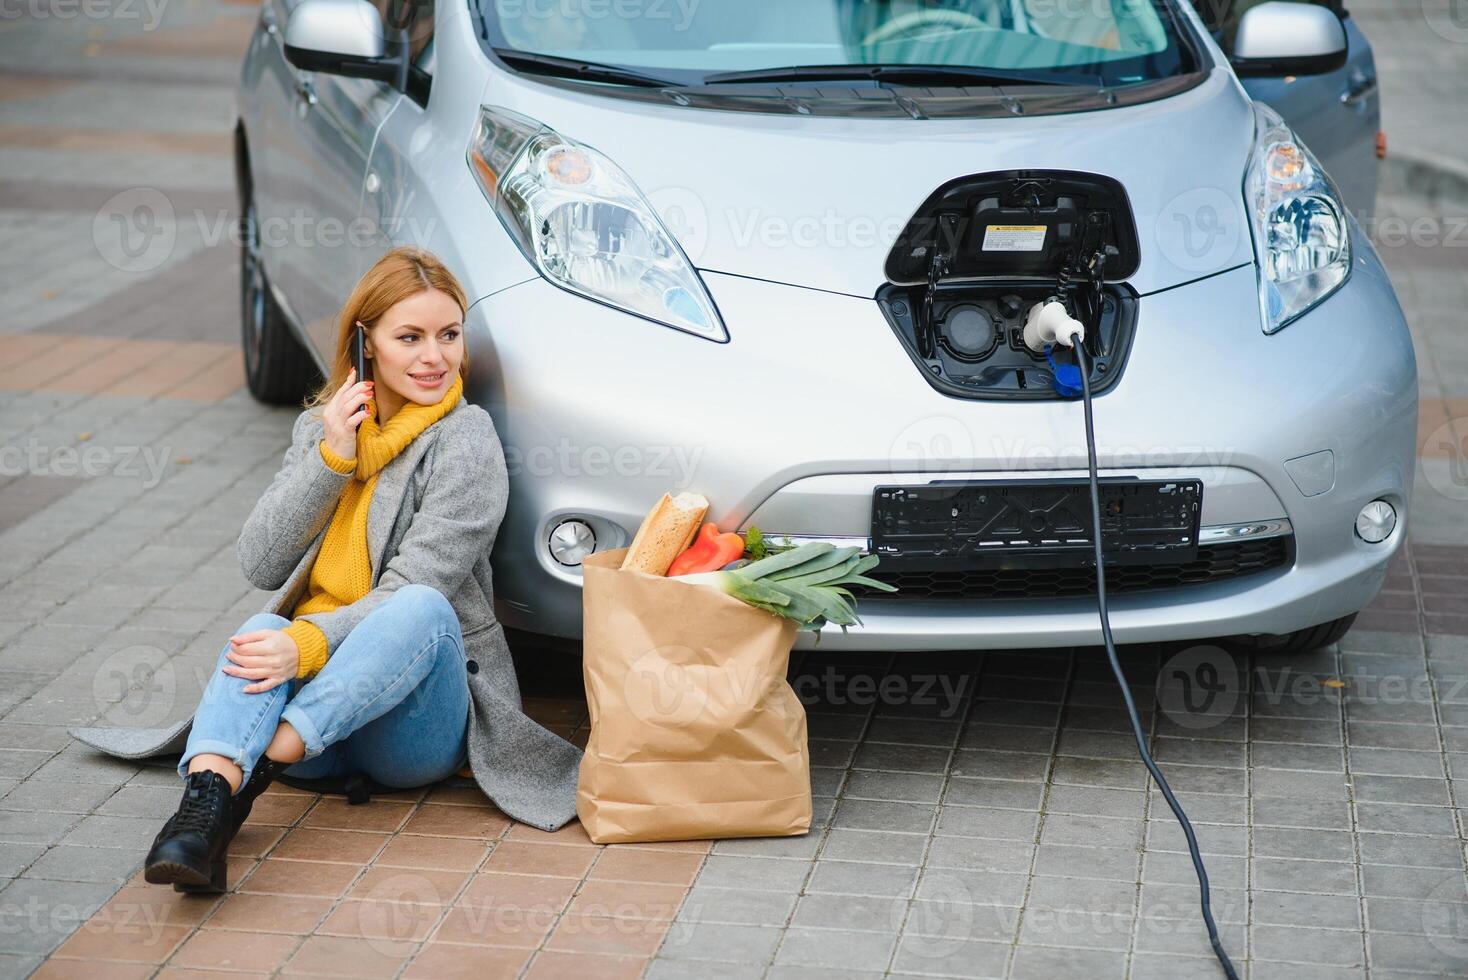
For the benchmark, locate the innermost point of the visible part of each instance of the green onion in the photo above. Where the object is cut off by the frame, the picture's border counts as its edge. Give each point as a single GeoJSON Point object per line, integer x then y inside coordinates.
{"type": "Point", "coordinates": [804, 583]}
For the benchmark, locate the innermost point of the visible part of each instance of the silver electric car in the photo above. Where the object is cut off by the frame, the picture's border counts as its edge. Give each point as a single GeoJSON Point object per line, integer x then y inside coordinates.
{"type": "Point", "coordinates": [783, 254]}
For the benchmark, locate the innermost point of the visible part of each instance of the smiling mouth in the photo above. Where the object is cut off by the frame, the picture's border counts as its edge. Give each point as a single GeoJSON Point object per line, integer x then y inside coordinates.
{"type": "Point", "coordinates": [429, 379]}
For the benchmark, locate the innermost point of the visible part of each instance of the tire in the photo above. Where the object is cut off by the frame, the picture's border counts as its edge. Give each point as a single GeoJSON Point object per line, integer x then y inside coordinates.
{"type": "Point", "coordinates": [1300, 641]}
{"type": "Point", "coordinates": [278, 369]}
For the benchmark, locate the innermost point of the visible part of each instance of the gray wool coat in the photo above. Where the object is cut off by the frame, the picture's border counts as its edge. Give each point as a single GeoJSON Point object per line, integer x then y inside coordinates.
{"type": "Point", "coordinates": [433, 519]}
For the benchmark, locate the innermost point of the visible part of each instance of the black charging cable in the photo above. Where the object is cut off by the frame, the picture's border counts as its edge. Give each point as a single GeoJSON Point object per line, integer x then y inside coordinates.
{"type": "Point", "coordinates": [1083, 359]}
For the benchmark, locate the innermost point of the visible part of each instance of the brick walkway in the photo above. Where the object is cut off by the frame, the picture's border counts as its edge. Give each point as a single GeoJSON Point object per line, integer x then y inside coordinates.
{"type": "Point", "coordinates": [1001, 827]}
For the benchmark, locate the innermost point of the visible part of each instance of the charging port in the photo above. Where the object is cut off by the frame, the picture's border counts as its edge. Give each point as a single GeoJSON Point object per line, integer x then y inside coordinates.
{"type": "Point", "coordinates": [983, 250]}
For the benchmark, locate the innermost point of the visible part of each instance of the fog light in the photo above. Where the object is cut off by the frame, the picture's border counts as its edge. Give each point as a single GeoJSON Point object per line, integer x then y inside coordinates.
{"type": "Point", "coordinates": [571, 541]}
{"type": "Point", "coordinates": [1376, 521]}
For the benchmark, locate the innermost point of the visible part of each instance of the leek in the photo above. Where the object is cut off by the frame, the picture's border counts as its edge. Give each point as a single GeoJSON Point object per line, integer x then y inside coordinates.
{"type": "Point", "coordinates": [805, 583]}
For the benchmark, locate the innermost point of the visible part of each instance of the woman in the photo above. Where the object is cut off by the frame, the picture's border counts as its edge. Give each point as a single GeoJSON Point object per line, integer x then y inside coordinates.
{"type": "Point", "coordinates": [380, 655]}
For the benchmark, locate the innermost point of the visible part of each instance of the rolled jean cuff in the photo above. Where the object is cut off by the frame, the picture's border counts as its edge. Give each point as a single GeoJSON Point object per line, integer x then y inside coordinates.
{"type": "Point", "coordinates": [306, 728]}
{"type": "Point", "coordinates": [231, 752]}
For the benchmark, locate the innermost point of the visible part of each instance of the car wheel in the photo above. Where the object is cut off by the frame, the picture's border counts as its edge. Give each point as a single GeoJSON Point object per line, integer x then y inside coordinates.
{"type": "Point", "coordinates": [277, 367]}
{"type": "Point", "coordinates": [1300, 641]}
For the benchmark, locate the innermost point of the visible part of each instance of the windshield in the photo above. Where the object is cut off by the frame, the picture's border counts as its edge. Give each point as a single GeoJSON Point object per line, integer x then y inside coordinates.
{"type": "Point", "coordinates": [1121, 41]}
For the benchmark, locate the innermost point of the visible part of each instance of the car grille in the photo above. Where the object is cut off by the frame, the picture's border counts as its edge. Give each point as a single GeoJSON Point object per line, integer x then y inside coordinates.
{"type": "Point", "coordinates": [1215, 563]}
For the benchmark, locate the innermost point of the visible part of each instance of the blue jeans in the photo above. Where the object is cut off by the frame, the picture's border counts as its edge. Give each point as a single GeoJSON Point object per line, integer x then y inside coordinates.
{"type": "Point", "coordinates": [392, 702]}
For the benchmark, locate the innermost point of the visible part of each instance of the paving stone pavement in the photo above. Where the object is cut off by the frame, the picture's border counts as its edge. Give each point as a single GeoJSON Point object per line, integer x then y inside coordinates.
{"type": "Point", "coordinates": [989, 818]}
{"type": "Point", "coordinates": [1419, 49]}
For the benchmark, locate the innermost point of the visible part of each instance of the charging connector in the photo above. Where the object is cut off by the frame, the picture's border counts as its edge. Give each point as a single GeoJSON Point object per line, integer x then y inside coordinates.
{"type": "Point", "coordinates": [1182, 818]}
{"type": "Point", "coordinates": [1049, 323]}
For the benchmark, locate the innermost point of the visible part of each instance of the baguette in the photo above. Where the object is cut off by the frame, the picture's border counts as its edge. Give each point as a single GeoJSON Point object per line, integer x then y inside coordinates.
{"type": "Point", "coordinates": [665, 533]}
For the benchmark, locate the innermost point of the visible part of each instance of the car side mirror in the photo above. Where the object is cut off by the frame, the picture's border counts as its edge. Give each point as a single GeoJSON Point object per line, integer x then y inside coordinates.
{"type": "Point", "coordinates": [1281, 38]}
{"type": "Point", "coordinates": [342, 37]}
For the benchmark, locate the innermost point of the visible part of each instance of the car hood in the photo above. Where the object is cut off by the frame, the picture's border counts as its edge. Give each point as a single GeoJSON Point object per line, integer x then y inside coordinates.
{"type": "Point", "coordinates": [818, 202]}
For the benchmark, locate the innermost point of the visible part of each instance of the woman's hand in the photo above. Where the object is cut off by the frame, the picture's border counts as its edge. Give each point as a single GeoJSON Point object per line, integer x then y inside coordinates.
{"type": "Point", "coordinates": [268, 657]}
{"type": "Point", "coordinates": [340, 420]}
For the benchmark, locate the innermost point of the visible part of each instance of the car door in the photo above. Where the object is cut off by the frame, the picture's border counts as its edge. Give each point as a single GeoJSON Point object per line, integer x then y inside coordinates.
{"type": "Point", "coordinates": [1337, 114]}
{"type": "Point", "coordinates": [390, 202]}
{"type": "Point", "coordinates": [311, 163]}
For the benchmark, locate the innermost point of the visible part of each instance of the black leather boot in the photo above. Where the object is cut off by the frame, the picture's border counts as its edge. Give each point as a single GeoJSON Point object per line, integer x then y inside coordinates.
{"type": "Point", "coordinates": [261, 776]}
{"type": "Point", "coordinates": [189, 851]}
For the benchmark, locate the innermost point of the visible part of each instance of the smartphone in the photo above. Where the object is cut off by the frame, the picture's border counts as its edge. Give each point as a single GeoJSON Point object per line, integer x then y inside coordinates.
{"type": "Point", "coordinates": [359, 358]}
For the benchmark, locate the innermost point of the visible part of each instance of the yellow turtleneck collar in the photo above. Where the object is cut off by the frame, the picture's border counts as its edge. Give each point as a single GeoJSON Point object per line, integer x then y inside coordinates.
{"type": "Point", "coordinates": [377, 445]}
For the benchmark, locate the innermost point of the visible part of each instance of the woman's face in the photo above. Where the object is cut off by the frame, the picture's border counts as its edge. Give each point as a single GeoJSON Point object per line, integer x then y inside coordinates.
{"type": "Point", "coordinates": [416, 348]}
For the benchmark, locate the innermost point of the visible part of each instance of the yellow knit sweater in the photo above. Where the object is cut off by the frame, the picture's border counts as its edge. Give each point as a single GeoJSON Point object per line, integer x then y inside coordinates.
{"type": "Point", "coordinates": [342, 572]}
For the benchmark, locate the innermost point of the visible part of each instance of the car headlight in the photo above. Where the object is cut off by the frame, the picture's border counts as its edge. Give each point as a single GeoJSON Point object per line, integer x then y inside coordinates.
{"type": "Point", "coordinates": [585, 225]}
{"type": "Point", "coordinates": [1300, 229]}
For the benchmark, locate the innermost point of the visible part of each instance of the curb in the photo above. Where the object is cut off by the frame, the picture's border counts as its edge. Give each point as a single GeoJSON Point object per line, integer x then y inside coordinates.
{"type": "Point", "coordinates": [1434, 179]}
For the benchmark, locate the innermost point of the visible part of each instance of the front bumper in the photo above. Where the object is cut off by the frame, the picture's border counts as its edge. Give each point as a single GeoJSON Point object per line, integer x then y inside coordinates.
{"type": "Point", "coordinates": [812, 403]}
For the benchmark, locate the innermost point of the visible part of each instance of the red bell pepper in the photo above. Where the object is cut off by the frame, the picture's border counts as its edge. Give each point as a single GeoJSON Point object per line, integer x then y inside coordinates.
{"type": "Point", "coordinates": [709, 551]}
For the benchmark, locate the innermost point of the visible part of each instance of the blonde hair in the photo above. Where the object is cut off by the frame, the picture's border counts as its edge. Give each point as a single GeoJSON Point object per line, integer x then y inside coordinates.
{"type": "Point", "coordinates": [402, 272]}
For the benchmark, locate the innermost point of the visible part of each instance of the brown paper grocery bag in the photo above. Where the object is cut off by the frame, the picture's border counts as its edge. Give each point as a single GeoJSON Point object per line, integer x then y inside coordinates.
{"type": "Point", "coordinates": [695, 732]}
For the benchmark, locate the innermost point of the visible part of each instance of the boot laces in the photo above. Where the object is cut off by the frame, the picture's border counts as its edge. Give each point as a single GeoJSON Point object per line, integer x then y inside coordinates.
{"type": "Point", "coordinates": [202, 805]}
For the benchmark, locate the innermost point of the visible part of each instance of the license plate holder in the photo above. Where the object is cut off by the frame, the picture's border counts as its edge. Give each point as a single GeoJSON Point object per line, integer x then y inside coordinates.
{"type": "Point", "coordinates": [948, 524]}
